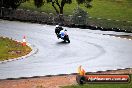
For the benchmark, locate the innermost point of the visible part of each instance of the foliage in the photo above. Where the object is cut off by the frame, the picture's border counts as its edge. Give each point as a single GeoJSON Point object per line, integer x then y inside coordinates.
{"type": "Point", "coordinates": [38, 3]}
{"type": "Point", "coordinates": [79, 16]}
{"type": "Point", "coordinates": [11, 3]}
{"type": "Point", "coordinates": [105, 9]}
{"type": "Point", "coordinates": [86, 2]}
{"type": "Point", "coordinates": [58, 5]}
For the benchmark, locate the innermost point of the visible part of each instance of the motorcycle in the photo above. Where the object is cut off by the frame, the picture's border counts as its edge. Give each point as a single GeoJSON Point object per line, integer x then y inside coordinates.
{"type": "Point", "coordinates": [65, 37]}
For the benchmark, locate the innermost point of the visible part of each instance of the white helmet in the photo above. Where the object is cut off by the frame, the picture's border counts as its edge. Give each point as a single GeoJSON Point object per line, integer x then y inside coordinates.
{"type": "Point", "coordinates": [57, 25]}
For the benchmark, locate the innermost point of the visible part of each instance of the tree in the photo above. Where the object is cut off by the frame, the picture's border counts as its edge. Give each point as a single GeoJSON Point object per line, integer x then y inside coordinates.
{"type": "Point", "coordinates": [38, 3]}
{"type": "Point", "coordinates": [79, 16]}
{"type": "Point", "coordinates": [11, 3]}
{"type": "Point", "coordinates": [87, 3]}
{"type": "Point", "coordinates": [58, 5]}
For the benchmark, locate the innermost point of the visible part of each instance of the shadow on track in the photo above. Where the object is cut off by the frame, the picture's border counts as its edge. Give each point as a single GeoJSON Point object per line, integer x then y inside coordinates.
{"type": "Point", "coordinates": [62, 42]}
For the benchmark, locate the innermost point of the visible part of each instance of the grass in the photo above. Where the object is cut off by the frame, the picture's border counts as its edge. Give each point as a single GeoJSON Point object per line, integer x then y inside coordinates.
{"type": "Point", "coordinates": [12, 49]}
{"type": "Point", "coordinates": [129, 85]}
{"type": "Point", "coordinates": [110, 24]}
{"type": "Point", "coordinates": [106, 9]}
{"type": "Point", "coordinates": [101, 86]}
{"type": "Point", "coordinates": [111, 9]}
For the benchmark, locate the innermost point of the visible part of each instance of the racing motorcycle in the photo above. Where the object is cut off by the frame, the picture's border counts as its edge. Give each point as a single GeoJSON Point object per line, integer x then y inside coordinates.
{"type": "Point", "coordinates": [59, 35]}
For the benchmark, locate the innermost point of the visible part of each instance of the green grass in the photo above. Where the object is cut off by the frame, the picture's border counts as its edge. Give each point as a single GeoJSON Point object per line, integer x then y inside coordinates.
{"type": "Point", "coordinates": [111, 24]}
{"type": "Point", "coordinates": [101, 86]}
{"type": "Point", "coordinates": [107, 9]}
{"type": "Point", "coordinates": [125, 85]}
{"type": "Point", "coordinates": [111, 9]}
{"type": "Point", "coordinates": [12, 49]}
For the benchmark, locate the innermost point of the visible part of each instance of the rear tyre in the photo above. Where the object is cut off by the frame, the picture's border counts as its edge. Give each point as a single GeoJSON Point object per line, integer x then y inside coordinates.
{"type": "Point", "coordinates": [68, 41]}
{"type": "Point", "coordinates": [67, 38]}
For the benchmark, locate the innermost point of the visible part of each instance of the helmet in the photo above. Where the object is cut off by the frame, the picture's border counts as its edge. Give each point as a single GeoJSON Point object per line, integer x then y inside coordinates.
{"type": "Point", "coordinates": [57, 25]}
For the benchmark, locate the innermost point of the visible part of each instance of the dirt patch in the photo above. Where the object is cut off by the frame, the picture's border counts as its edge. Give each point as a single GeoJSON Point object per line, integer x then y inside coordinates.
{"type": "Point", "coordinates": [42, 82]}
{"type": "Point", "coordinates": [53, 81]}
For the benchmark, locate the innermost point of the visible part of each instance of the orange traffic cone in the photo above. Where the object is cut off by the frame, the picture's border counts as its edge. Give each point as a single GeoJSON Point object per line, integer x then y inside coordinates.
{"type": "Point", "coordinates": [24, 41]}
{"type": "Point", "coordinates": [81, 70]}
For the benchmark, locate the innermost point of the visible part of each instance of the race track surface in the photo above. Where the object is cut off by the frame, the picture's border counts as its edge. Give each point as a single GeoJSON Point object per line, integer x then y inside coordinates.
{"type": "Point", "coordinates": [89, 48]}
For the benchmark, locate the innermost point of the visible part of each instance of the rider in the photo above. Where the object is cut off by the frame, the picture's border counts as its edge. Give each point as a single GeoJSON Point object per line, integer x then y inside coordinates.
{"type": "Point", "coordinates": [57, 30]}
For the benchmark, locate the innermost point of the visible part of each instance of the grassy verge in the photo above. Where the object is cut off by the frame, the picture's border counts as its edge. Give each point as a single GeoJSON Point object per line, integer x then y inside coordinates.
{"type": "Point", "coordinates": [106, 9]}
{"type": "Point", "coordinates": [110, 24]}
{"type": "Point", "coordinates": [129, 85]}
{"type": "Point", "coordinates": [12, 49]}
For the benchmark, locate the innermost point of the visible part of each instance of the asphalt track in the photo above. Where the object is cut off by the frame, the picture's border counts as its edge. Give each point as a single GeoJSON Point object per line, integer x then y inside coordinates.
{"type": "Point", "coordinates": [89, 48]}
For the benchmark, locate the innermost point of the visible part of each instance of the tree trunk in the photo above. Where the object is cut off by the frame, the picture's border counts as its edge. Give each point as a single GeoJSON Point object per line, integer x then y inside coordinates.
{"type": "Point", "coordinates": [55, 8]}
{"type": "Point", "coordinates": [61, 10]}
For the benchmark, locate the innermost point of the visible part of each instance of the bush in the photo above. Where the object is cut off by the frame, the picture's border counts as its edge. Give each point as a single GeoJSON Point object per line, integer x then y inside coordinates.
{"type": "Point", "coordinates": [79, 17]}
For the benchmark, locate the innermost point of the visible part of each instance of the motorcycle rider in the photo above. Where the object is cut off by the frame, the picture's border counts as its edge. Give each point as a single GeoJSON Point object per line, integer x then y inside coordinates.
{"type": "Point", "coordinates": [62, 33]}
{"type": "Point", "coordinates": [57, 30]}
